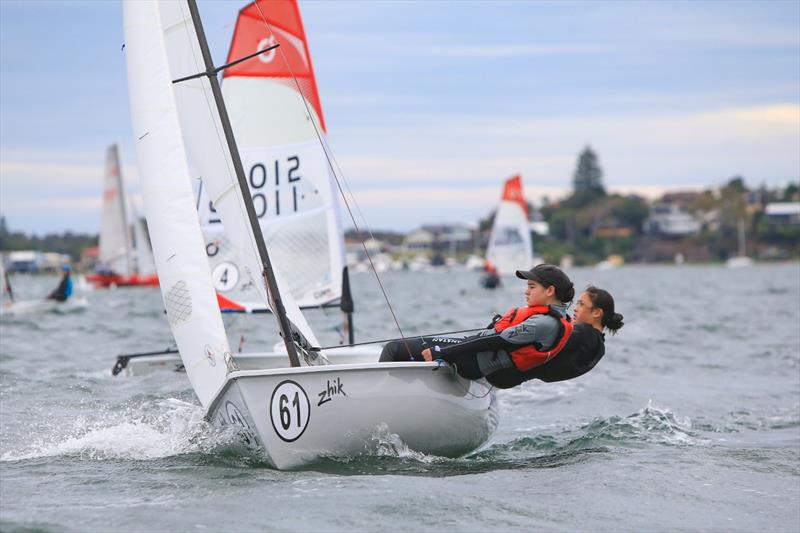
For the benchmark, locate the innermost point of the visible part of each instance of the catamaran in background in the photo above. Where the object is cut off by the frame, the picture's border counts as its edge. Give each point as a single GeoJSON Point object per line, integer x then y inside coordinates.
{"type": "Point", "coordinates": [121, 262]}
{"type": "Point", "coordinates": [510, 245]}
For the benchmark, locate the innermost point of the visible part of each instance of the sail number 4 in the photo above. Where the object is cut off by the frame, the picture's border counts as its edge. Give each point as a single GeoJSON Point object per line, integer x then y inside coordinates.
{"type": "Point", "coordinates": [289, 410]}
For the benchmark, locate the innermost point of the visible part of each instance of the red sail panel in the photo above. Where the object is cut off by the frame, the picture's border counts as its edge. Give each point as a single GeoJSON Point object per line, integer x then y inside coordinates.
{"type": "Point", "coordinates": [513, 192]}
{"type": "Point", "coordinates": [227, 306]}
{"type": "Point", "coordinates": [252, 33]}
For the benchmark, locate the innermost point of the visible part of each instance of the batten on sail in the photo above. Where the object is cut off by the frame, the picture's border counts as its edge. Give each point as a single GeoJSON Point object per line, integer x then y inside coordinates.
{"type": "Point", "coordinates": [510, 245]}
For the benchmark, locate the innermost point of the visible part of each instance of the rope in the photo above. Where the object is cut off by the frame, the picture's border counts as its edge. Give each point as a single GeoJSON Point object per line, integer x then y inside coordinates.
{"type": "Point", "coordinates": [404, 339]}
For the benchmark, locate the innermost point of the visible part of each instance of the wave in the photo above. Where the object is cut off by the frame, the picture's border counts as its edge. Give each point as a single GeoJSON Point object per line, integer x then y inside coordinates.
{"type": "Point", "coordinates": [156, 429]}
{"type": "Point", "coordinates": [650, 425]}
{"type": "Point", "coordinates": [152, 430]}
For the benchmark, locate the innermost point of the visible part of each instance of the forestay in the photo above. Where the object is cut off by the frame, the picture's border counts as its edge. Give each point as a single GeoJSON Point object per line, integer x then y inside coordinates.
{"type": "Point", "coordinates": [114, 244]}
{"type": "Point", "coordinates": [510, 246]}
{"type": "Point", "coordinates": [182, 266]}
{"type": "Point", "coordinates": [273, 116]}
{"type": "Point", "coordinates": [209, 154]}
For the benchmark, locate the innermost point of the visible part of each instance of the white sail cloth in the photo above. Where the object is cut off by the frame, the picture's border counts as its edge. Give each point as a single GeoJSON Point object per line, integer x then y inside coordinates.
{"type": "Point", "coordinates": [175, 233]}
{"type": "Point", "coordinates": [510, 245]}
{"type": "Point", "coordinates": [208, 151]}
{"type": "Point", "coordinates": [276, 116]}
{"type": "Point", "coordinates": [114, 245]}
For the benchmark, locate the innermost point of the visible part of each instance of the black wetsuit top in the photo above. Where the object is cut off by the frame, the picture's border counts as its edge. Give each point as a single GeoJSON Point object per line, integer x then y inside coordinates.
{"type": "Point", "coordinates": [63, 291]}
{"type": "Point", "coordinates": [584, 348]}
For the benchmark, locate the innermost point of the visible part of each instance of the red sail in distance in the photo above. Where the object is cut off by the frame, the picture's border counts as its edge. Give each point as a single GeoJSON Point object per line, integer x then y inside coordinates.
{"type": "Point", "coordinates": [513, 192]}
{"type": "Point", "coordinates": [252, 34]}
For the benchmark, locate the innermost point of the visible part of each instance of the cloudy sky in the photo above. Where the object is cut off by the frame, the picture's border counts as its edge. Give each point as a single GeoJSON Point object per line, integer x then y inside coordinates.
{"type": "Point", "coordinates": [430, 105]}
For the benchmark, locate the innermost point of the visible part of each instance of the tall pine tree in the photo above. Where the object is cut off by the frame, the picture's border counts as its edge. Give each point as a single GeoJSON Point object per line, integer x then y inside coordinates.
{"type": "Point", "coordinates": [588, 177]}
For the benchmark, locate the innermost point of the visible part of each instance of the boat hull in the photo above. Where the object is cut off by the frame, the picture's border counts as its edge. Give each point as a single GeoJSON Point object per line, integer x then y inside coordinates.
{"type": "Point", "coordinates": [28, 307]}
{"type": "Point", "coordinates": [295, 416]}
{"type": "Point", "coordinates": [132, 280]}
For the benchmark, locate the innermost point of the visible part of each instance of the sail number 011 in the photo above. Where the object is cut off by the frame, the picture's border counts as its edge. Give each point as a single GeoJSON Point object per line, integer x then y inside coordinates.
{"type": "Point", "coordinates": [289, 410]}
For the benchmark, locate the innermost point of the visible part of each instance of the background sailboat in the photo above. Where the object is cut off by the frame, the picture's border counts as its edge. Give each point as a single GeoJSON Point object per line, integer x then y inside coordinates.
{"type": "Point", "coordinates": [510, 245]}
{"type": "Point", "coordinates": [272, 102]}
{"type": "Point", "coordinates": [741, 260]}
{"type": "Point", "coordinates": [120, 262]}
{"type": "Point", "coordinates": [428, 406]}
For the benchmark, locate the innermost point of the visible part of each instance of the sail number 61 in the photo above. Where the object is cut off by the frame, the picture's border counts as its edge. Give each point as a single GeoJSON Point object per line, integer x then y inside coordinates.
{"type": "Point", "coordinates": [289, 410]}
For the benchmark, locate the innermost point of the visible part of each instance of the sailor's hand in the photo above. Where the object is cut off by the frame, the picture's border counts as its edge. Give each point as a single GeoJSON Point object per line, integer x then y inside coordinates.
{"type": "Point", "coordinates": [426, 354]}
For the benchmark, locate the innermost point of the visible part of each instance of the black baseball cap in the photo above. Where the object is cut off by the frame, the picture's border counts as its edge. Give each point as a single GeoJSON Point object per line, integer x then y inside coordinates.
{"type": "Point", "coordinates": [549, 275]}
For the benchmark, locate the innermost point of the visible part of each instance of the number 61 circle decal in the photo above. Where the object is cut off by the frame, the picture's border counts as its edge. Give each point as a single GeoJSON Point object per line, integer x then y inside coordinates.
{"type": "Point", "coordinates": [289, 410]}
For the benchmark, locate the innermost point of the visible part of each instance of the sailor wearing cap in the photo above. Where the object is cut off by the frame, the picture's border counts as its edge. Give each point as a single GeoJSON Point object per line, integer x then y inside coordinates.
{"type": "Point", "coordinates": [523, 338]}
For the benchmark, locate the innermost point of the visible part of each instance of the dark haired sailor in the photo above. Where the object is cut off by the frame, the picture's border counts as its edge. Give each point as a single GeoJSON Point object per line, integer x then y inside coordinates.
{"type": "Point", "coordinates": [491, 278]}
{"type": "Point", "coordinates": [522, 339]}
{"type": "Point", "coordinates": [64, 289]}
{"type": "Point", "coordinates": [594, 314]}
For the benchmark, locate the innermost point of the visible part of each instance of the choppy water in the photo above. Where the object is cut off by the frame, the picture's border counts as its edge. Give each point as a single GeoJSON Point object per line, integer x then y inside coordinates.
{"type": "Point", "coordinates": [691, 422]}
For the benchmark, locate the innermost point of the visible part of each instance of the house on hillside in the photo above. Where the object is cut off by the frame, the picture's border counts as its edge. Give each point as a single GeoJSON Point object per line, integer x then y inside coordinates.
{"type": "Point", "coordinates": [444, 238]}
{"type": "Point", "coordinates": [783, 213]}
{"type": "Point", "coordinates": [669, 220]}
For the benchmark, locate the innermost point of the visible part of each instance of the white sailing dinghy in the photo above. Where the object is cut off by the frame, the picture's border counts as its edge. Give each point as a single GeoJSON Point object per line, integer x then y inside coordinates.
{"type": "Point", "coordinates": [13, 307]}
{"type": "Point", "coordinates": [295, 415]}
{"type": "Point", "coordinates": [510, 246]}
{"type": "Point", "coordinates": [296, 205]}
{"type": "Point", "coordinates": [121, 263]}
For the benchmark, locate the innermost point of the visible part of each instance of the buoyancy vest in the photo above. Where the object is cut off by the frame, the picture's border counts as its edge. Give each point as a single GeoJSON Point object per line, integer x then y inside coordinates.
{"type": "Point", "coordinates": [531, 356]}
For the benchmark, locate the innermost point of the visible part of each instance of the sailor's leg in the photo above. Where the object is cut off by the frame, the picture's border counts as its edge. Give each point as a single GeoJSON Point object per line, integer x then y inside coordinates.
{"type": "Point", "coordinates": [409, 349]}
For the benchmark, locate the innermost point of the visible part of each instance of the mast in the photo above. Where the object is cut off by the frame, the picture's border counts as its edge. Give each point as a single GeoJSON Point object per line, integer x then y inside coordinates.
{"type": "Point", "coordinates": [267, 272]}
{"type": "Point", "coordinates": [742, 249]}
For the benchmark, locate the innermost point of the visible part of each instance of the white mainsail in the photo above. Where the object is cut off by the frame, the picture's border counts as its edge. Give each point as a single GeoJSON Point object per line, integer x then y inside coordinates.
{"type": "Point", "coordinates": [276, 127]}
{"type": "Point", "coordinates": [114, 246]}
{"type": "Point", "coordinates": [189, 296]}
{"type": "Point", "coordinates": [510, 246]}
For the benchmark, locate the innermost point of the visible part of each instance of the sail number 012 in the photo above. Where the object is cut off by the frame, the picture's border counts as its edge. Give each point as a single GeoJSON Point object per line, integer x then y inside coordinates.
{"type": "Point", "coordinates": [289, 410]}
{"type": "Point", "coordinates": [258, 178]}
{"type": "Point", "coordinates": [284, 172]}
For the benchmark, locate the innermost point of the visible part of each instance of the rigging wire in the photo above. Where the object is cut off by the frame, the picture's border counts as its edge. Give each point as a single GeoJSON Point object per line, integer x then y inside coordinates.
{"type": "Point", "coordinates": [336, 175]}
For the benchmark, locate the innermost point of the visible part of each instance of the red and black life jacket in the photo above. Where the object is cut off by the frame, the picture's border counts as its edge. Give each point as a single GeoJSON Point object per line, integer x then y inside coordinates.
{"type": "Point", "coordinates": [529, 356]}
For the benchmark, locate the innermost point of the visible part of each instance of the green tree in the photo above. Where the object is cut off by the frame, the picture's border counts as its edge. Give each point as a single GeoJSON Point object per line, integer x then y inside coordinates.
{"type": "Point", "coordinates": [588, 176]}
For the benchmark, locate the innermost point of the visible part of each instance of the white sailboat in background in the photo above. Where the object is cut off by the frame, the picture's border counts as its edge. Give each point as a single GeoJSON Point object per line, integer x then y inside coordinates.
{"type": "Point", "coordinates": [510, 245]}
{"type": "Point", "coordinates": [11, 306]}
{"type": "Point", "coordinates": [428, 406]}
{"type": "Point", "coordinates": [288, 176]}
{"type": "Point", "coordinates": [121, 263]}
{"type": "Point", "coordinates": [741, 260]}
